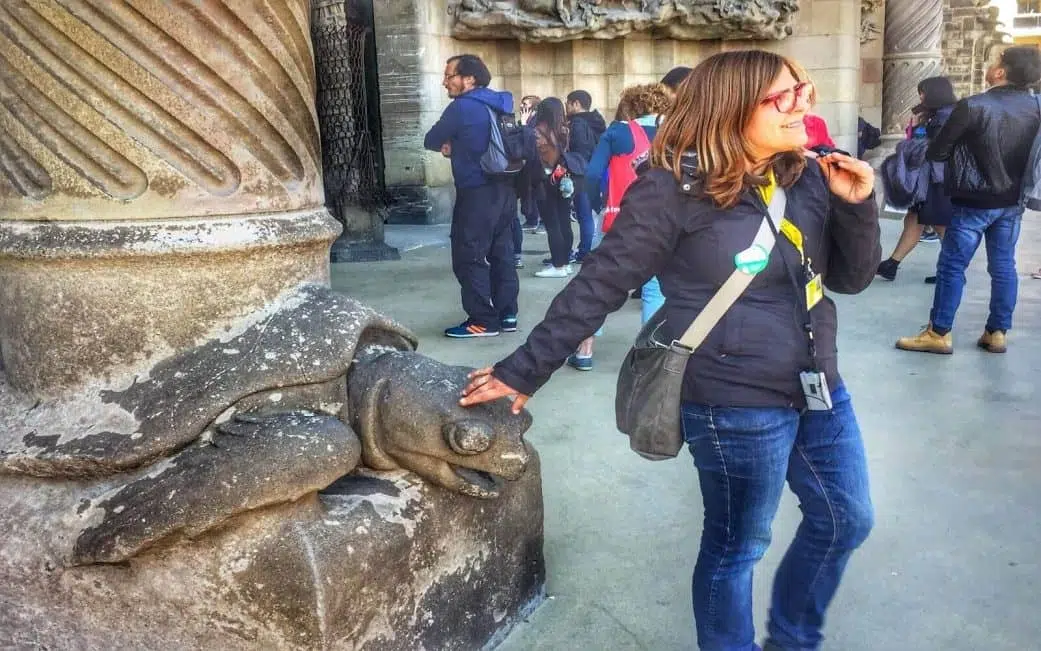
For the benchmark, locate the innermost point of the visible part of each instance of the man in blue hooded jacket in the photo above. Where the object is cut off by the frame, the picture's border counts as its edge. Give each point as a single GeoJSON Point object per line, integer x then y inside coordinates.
{"type": "Point", "coordinates": [485, 206]}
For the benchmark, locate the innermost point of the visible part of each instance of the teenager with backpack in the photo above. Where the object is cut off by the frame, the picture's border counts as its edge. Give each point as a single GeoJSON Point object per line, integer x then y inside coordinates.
{"type": "Point", "coordinates": [485, 202]}
{"type": "Point", "coordinates": [586, 127]}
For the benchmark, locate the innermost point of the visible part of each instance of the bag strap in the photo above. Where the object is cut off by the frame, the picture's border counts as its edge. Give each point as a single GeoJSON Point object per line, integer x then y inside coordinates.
{"type": "Point", "coordinates": [738, 281]}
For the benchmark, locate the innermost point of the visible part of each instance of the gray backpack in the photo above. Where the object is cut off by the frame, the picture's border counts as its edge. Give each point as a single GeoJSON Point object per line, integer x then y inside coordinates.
{"type": "Point", "coordinates": [505, 153]}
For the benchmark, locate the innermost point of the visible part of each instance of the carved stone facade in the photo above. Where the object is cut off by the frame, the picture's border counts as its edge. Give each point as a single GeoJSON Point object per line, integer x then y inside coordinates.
{"type": "Point", "coordinates": [560, 20]}
{"type": "Point", "coordinates": [870, 25]}
{"type": "Point", "coordinates": [872, 19]}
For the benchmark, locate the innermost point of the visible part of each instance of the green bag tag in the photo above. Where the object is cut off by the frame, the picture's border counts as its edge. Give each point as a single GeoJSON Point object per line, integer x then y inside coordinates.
{"type": "Point", "coordinates": [752, 260]}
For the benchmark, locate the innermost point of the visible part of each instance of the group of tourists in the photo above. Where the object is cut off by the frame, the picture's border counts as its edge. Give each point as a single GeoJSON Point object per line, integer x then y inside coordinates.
{"type": "Point", "coordinates": [710, 174]}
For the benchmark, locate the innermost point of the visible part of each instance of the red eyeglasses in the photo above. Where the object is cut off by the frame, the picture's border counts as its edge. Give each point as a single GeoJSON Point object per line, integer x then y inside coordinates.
{"type": "Point", "coordinates": [786, 100]}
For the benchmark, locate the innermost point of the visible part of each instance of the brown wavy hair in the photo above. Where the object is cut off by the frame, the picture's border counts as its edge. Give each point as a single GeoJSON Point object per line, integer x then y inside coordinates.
{"type": "Point", "coordinates": [712, 108]}
{"type": "Point", "coordinates": [641, 100]}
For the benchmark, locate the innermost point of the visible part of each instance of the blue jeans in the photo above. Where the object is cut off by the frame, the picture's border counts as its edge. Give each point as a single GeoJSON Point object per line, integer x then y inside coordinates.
{"type": "Point", "coordinates": [586, 223]}
{"type": "Point", "coordinates": [518, 237]}
{"type": "Point", "coordinates": [969, 226]}
{"type": "Point", "coordinates": [651, 299]}
{"type": "Point", "coordinates": [744, 455]}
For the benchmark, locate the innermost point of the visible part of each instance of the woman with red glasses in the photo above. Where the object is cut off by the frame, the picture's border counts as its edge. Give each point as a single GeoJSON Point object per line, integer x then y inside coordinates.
{"type": "Point", "coordinates": [763, 401]}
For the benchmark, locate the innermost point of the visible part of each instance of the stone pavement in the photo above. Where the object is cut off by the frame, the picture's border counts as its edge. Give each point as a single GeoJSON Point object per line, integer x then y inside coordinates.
{"type": "Point", "coordinates": [954, 445]}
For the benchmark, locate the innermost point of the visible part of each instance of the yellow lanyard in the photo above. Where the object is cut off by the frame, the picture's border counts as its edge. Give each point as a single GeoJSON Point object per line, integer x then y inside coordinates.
{"type": "Point", "coordinates": [787, 228]}
{"type": "Point", "coordinates": [814, 285]}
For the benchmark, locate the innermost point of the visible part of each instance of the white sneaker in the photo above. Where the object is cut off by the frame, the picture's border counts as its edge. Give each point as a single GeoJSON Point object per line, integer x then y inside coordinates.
{"type": "Point", "coordinates": [570, 269]}
{"type": "Point", "coordinates": [553, 272]}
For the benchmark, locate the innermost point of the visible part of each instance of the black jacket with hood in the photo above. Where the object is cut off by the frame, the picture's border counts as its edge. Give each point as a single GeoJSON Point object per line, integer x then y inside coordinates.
{"type": "Point", "coordinates": [586, 129]}
{"type": "Point", "coordinates": [753, 357]}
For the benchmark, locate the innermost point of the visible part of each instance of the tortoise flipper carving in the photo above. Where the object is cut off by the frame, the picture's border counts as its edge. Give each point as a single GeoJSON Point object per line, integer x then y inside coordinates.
{"type": "Point", "coordinates": [273, 458]}
{"type": "Point", "coordinates": [259, 418]}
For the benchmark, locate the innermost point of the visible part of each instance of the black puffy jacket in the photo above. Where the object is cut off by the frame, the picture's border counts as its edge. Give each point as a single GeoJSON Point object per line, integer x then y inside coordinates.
{"type": "Point", "coordinates": [753, 357]}
{"type": "Point", "coordinates": [986, 143]}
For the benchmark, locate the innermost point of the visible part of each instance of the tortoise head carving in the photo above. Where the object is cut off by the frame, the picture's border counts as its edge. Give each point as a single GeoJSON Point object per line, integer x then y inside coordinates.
{"type": "Point", "coordinates": [405, 408]}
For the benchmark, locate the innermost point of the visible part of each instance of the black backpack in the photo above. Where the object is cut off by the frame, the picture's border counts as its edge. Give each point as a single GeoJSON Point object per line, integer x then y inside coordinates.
{"type": "Point", "coordinates": [870, 136]}
{"type": "Point", "coordinates": [505, 153]}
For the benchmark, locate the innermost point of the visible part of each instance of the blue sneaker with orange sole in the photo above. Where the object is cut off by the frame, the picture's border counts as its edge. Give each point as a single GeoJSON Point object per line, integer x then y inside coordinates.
{"type": "Point", "coordinates": [470, 330]}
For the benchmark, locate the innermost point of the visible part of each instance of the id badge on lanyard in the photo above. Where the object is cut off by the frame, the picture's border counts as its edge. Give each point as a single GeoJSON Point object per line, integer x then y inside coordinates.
{"type": "Point", "coordinates": [813, 382]}
{"type": "Point", "coordinates": [814, 286]}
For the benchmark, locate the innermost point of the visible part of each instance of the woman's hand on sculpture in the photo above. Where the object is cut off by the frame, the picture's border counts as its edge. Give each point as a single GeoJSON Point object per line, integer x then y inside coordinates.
{"type": "Point", "coordinates": [848, 177]}
{"type": "Point", "coordinates": [484, 387]}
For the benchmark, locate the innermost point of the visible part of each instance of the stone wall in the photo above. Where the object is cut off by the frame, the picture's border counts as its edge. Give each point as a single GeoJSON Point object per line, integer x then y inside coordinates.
{"type": "Point", "coordinates": [413, 40]}
{"type": "Point", "coordinates": [971, 32]}
{"type": "Point", "coordinates": [872, 19]}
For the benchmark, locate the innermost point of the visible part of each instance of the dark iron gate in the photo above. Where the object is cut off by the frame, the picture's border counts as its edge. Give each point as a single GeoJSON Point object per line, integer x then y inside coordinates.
{"type": "Point", "coordinates": [347, 103]}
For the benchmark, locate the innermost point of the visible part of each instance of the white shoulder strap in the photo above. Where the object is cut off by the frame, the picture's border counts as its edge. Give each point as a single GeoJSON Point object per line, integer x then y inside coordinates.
{"type": "Point", "coordinates": [738, 281]}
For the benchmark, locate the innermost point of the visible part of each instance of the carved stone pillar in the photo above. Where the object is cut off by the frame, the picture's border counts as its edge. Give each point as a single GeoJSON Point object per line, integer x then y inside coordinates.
{"type": "Point", "coordinates": [159, 176]}
{"type": "Point", "coordinates": [913, 35]}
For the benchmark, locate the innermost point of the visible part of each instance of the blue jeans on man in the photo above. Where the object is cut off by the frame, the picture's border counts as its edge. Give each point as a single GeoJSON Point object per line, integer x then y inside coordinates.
{"type": "Point", "coordinates": [999, 227]}
{"type": "Point", "coordinates": [586, 223]}
{"type": "Point", "coordinates": [743, 456]}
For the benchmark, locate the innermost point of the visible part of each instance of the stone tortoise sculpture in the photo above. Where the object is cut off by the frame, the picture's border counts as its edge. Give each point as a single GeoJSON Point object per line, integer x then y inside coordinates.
{"type": "Point", "coordinates": [280, 405]}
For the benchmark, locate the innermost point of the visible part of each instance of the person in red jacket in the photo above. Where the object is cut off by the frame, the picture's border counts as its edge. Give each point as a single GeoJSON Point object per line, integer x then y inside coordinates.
{"type": "Point", "coordinates": [817, 132]}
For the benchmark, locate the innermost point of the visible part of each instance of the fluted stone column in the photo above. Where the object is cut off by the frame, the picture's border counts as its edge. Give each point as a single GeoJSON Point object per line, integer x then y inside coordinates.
{"type": "Point", "coordinates": [913, 37]}
{"type": "Point", "coordinates": [159, 176]}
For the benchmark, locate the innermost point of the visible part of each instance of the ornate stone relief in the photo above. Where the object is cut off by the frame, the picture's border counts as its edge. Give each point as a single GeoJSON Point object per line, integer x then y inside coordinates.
{"type": "Point", "coordinates": [869, 27]}
{"type": "Point", "coordinates": [561, 20]}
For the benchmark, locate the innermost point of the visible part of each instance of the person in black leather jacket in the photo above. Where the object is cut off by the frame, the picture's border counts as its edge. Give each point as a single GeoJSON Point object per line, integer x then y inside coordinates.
{"type": "Point", "coordinates": [691, 221]}
{"type": "Point", "coordinates": [986, 144]}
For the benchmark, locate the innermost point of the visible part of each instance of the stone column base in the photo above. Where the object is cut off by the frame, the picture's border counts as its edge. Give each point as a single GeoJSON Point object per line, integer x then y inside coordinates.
{"type": "Point", "coordinates": [377, 561]}
{"type": "Point", "coordinates": [98, 299]}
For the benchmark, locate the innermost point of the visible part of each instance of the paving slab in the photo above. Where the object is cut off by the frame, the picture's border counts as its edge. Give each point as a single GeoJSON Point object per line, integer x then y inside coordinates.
{"type": "Point", "coordinates": [954, 446]}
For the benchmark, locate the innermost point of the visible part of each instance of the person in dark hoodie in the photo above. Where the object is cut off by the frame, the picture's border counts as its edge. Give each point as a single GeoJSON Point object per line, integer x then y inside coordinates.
{"type": "Point", "coordinates": [937, 101]}
{"type": "Point", "coordinates": [586, 128]}
{"type": "Point", "coordinates": [485, 207]}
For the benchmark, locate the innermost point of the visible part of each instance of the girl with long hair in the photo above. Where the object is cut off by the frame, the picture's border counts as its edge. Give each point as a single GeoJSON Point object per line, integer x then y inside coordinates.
{"type": "Point", "coordinates": [554, 189]}
{"type": "Point", "coordinates": [757, 410]}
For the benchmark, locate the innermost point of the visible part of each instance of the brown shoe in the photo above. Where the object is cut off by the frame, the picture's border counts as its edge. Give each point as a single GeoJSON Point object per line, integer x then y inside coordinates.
{"type": "Point", "coordinates": [927, 341]}
{"type": "Point", "coordinates": [993, 342]}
